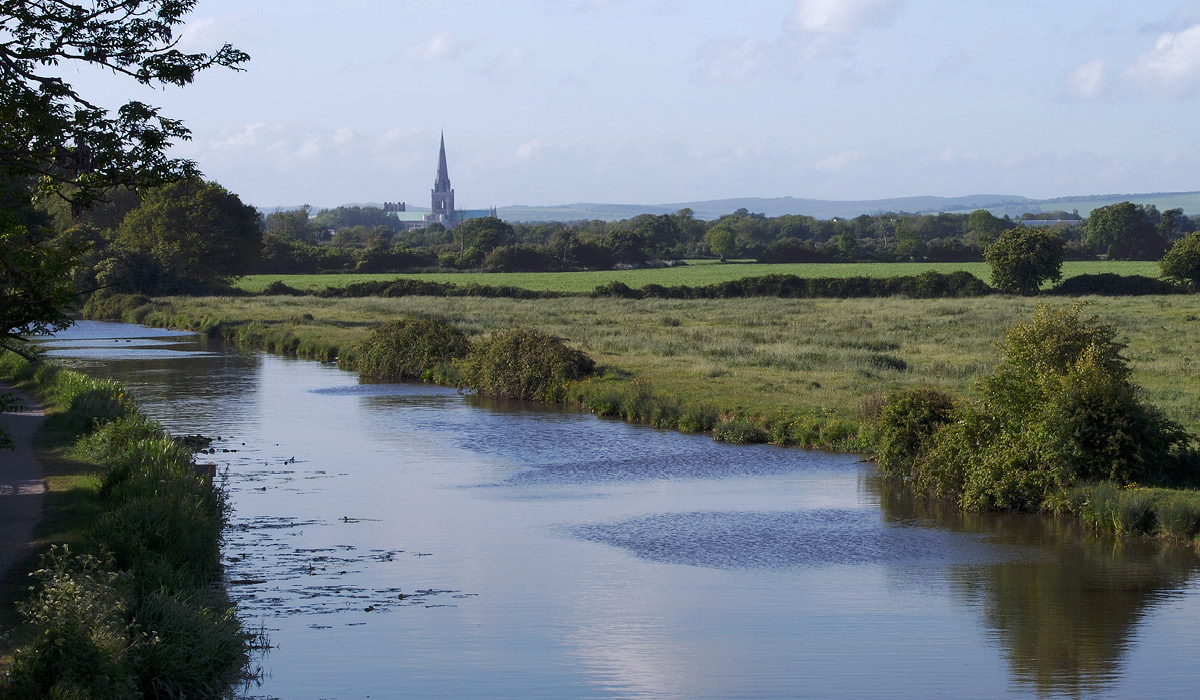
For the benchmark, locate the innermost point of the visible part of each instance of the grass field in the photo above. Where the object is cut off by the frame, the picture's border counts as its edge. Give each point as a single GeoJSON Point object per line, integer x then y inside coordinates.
{"type": "Point", "coordinates": [695, 274]}
{"type": "Point", "coordinates": [760, 357]}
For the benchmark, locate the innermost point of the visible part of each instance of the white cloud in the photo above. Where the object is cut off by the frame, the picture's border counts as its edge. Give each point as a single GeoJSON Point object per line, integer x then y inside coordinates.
{"type": "Point", "coordinates": [951, 156]}
{"type": "Point", "coordinates": [508, 66]}
{"type": "Point", "coordinates": [1087, 81]}
{"type": "Point", "coordinates": [843, 17]}
{"type": "Point", "coordinates": [248, 135]}
{"type": "Point", "coordinates": [814, 29]}
{"type": "Point", "coordinates": [733, 61]}
{"type": "Point", "coordinates": [1172, 67]}
{"type": "Point", "coordinates": [591, 5]}
{"type": "Point", "coordinates": [532, 149]}
{"type": "Point", "coordinates": [839, 161]}
{"type": "Point", "coordinates": [208, 34]}
{"type": "Point", "coordinates": [437, 47]}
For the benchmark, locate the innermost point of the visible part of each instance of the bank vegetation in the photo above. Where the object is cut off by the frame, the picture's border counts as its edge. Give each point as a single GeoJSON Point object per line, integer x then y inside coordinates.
{"type": "Point", "coordinates": [126, 600]}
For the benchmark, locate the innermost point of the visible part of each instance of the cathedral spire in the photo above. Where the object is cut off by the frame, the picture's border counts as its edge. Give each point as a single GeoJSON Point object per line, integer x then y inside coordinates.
{"type": "Point", "coordinates": [442, 183]}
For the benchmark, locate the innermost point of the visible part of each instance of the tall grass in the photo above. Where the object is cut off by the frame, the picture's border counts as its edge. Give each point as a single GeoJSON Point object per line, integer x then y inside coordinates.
{"type": "Point", "coordinates": [1171, 514]}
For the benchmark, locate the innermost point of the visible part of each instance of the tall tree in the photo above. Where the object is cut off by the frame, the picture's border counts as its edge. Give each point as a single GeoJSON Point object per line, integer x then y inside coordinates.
{"type": "Point", "coordinates": [722, 242]}
{"type": "Point", "coordinates": [74, 146]}
{"type": "Point", "coordinates": [194, 235]}
{"type": "Point", "coordinates": [1022, 258]}
{"type": "Point", "coordinates": [35, 281]}
{"type": "Point", "coordinates": [1125, 231]}
{"type": "Point", "coordinates": [55, 141]}
{"type": "Point", "coordinates": [293, 226]}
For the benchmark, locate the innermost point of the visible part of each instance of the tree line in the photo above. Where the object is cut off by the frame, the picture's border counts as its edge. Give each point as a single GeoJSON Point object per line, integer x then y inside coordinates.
{"type": "Point", "coordinates": [193, 236]}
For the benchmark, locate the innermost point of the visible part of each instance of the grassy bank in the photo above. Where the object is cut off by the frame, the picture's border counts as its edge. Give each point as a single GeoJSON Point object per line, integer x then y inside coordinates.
{"type": "Point", "coordinates": [126, 600]}
{"type": "Point", "coordinates": [694, 274]}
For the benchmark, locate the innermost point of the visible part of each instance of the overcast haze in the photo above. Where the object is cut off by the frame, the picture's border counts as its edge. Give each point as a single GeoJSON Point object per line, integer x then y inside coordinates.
{"type": "Point", "coordinates": [651, 101]}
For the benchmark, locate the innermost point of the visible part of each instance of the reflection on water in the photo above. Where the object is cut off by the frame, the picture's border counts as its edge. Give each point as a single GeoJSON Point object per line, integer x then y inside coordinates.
{"type": "Point", "coordinates": [1065, 619]}
{"type": "Point", "coordinates": [407, 540]}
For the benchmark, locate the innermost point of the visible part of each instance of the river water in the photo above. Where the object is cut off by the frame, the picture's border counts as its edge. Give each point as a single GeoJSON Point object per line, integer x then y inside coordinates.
{"type": "Point", "coordinates": [400, 540]}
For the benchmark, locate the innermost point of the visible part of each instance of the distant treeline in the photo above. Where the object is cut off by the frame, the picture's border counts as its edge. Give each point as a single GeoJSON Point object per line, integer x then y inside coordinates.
{"type": "Point", "coordinates": [365, 239]}
{"type": "Point", "coordinates": [195, 237]}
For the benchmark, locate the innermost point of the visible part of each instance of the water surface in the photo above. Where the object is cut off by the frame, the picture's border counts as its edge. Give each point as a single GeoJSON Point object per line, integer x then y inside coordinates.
{"type": "Point", "coordinates": [409, 541]}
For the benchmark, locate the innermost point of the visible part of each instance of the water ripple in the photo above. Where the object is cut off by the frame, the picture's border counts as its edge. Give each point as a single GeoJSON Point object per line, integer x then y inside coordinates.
{"type": "Point", "coordinates": [779, 540]}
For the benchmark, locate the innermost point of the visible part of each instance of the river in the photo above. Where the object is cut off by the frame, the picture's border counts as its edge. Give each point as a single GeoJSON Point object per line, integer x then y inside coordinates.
{"type": "Point", "coordinates": [404, 540]}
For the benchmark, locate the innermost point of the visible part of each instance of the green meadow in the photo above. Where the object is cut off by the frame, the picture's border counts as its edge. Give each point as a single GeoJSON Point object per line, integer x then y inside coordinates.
{"type": "Point", "coordinates": [766, 359]}
{"type": "Point", "coordinates": [696, 273]}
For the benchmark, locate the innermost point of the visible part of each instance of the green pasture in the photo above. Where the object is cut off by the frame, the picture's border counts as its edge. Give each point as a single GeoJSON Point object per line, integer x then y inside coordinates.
{"type": "Point", "coordinates": [695, 274]}
{"type": "Point", "coordinates": [762, 357]}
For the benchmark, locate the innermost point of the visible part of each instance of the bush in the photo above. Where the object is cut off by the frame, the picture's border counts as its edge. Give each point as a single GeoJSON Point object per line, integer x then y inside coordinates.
{"type": "Point", "coordinates": [524, 363]}
{"type": "Point", "coordinates": [185, 647]}
{"type": "Point", "coordinates": [792, 250]}
{"type": "Point", "coordinates": [1111, 284]}
{"type": "Point", "coordinates": [80, 640]}
{"type": "Point", "coordinates": [1182, 261]}
{"type": "Point", "coordinates": [517, 258]}
{"type": "Point", "coordinates": [279, 289]}
{"type": "Point", "coordinates": [410, 348]}
{"type": "Point", "coordinates": [908, 419]}
{"type": "Point", "coordinates": [1058, 410]}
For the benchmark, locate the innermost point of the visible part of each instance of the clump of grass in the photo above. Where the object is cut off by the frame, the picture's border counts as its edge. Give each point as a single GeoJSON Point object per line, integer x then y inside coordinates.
{"type": "Point", "coordinates": [89, 403]}
{"type": "Point", "coordinates": [739, 431]}
{"type": "Point", "coordinates": [1178, 516]}
{"type": "Point", "coordinates": [1107, 507]}
{"type": "Point", "coordinates": [697, 418]}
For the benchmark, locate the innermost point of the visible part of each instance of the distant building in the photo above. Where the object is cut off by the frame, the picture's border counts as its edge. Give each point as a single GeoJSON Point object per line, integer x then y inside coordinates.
{"type": "Point", "coordinates": [441, 204]}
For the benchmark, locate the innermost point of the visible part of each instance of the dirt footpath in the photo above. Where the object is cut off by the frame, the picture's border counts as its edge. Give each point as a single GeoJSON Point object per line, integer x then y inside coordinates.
{"type": "Point", "coordinates": [21, 484]}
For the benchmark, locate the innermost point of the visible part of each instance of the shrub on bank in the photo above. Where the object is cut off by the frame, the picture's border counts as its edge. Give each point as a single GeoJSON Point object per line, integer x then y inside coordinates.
{"type": "Point", "coordinates": [907, 420]}
{"type": "Point", "coordinates": [410, 348]}
{"type": "Point", "coordinates": [524, 363]}
{"type": "Point", "coordinates": [80, 643]}
{"type": "Point", "coordinates": [1178, 516]}
{"type": "Point", "coordinates": [1058, 410]}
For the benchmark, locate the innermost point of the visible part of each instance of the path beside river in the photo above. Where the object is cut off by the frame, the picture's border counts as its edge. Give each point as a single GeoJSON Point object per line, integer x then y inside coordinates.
{"type": "Point", "coordinates": [22, 487]}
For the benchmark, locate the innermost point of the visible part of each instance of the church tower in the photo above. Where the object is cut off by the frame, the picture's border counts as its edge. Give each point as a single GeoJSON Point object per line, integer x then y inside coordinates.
{"type": "Point", "coordinates": [442, 204]}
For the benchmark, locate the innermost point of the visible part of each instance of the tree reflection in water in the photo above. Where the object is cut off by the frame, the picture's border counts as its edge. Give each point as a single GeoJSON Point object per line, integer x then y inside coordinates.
{"type": "Point", "coordinates": [1064, 609]}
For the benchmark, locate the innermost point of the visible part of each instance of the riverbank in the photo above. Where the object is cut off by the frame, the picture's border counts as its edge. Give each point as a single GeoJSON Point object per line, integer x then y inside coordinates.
{"type": "Point", "coordinates": [124, 602]}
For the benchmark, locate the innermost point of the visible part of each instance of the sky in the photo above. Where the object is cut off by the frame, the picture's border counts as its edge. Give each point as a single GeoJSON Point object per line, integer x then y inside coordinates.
{"type": "Point", "coordinates": [547, 102]}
